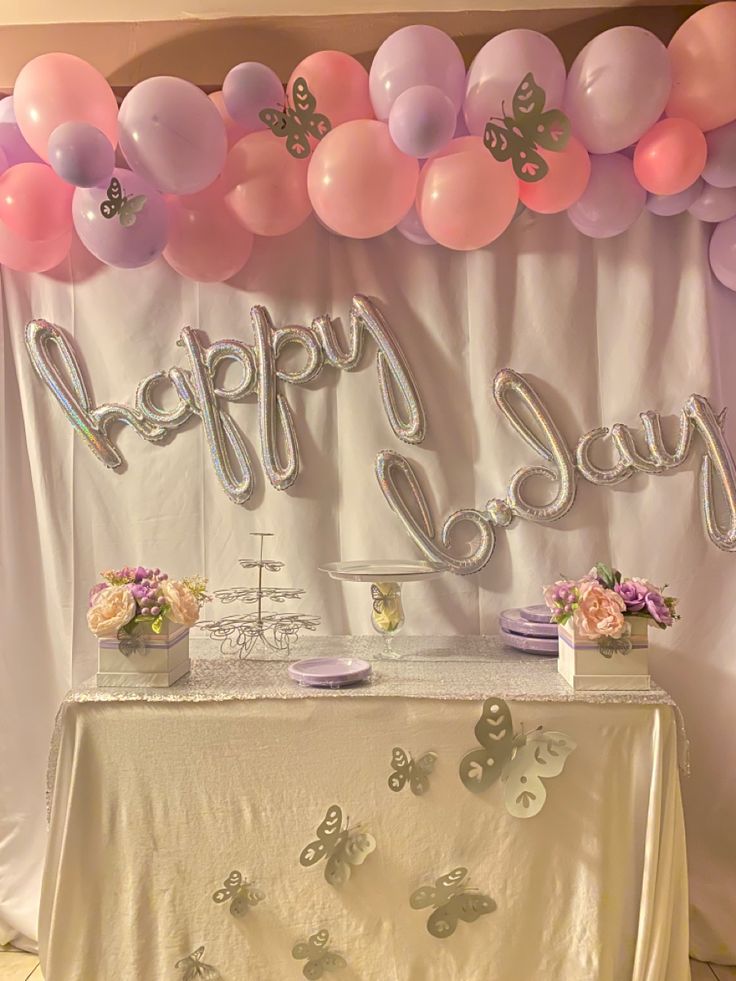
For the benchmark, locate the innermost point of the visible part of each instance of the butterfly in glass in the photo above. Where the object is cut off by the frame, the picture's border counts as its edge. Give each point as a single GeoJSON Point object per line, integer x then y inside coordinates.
{"type": "Point", "coordinates": [341, 847]}
{"type": "Point", "coordinates": [319, 958]}
{"type": "Point", "coordinates": [194, 967]}
{"type": "Point", "coordinates": [298, 122]}
{"type": "Point", "coordinates": [117, 203]}
{"type": "Point", "coordinates": [528, 128]}
{"type": "Point", "coordinates": [453, 901]}
{"type": "Point", "coordinates": [520, 760]}
{"type": "Point", "coordinates": [415, 772]}
{"type": "Point", "coordinates": [241, 892]}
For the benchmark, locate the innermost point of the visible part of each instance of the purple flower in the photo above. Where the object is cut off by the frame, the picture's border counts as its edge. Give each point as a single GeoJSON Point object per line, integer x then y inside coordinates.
{"type": "Point", "coordinates": [140, 573]}
{"type": "Point", "coordinates": [658, 609]}
{"type": "Point", "coordinates": [633, 594]}
{"type": "Point", "coordinates": [97, 588]}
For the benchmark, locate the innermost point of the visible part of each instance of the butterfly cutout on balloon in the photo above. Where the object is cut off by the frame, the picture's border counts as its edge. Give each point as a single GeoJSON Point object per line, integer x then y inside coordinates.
{"type": "Point", "coordinates": [453, 900]}
{"type": "Point", "coordinates": [319, 958]}
{"type": "Point", "coordinates": [118, 203]}
{"type": "Point", "coordinates": [194, 967]}
{"type": "Point", "coordinates": [299, 122]}
{"type": "Point", "coordinates": [529, 127]}
{"type": "Point", "coordinates": [342, 847]}
{"type": "Point", "coordinates": [241, 892]}
{"type": "Point", "coordinates": [521, 760]}
{"type": "Point", "coordinates": [411, 771]}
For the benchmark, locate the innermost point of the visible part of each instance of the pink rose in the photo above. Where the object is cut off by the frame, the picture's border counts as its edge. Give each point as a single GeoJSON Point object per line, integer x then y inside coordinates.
{"type": "Point", "coordinates": [183, 604]}
{"type": "Point", "coordinates": [600, 612]}
{"type": "Point", "coordinates": [111, 609]}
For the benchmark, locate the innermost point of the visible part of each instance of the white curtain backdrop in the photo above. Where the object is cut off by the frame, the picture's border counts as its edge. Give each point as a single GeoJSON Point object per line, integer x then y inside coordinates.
{"type": "Point", "coordinates": [602, 330]}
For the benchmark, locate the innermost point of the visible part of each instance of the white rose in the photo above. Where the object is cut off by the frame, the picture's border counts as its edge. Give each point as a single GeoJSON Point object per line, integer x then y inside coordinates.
{"type": "Point", "coordinates": [111, 610]}
{"type": "Point", "coordinates": [183, 604]}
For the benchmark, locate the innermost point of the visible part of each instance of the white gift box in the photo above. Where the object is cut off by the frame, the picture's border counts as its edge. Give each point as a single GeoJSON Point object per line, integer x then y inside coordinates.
{"type": "Point", "coordinates": [585, 668]}
{"type": "Point", "coordinates": [145, 659]}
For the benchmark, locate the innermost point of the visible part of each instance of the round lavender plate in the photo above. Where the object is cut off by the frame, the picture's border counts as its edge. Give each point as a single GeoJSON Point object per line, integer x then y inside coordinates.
{"type": "Point", "coordinates": [531, 645]}
{"type": "Point", "coordinates": [513, 622]}
{"type": "Point", "coordinates": [536, 614]}
{"type": "Point", "coordinates": [330, 672]}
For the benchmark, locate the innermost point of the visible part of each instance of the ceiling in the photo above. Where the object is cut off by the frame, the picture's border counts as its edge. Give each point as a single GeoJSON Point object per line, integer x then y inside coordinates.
{"type": "Point", "coordinates": [129, 40]}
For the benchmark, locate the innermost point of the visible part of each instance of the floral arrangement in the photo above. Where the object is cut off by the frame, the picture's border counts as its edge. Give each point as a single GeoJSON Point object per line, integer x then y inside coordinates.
{"type": "Point", "coordinates": [130, 596]}
{"type": "Point", "coordinates": [600, 603]}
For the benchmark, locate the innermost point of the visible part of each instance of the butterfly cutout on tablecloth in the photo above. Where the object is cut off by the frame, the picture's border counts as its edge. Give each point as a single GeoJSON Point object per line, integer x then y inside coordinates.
{"type": "Point", "coordinates": [453, 900]}
{"type": "Point", "coordinates": [319, 958]}
{"type": "Point", "coordinates": [411, 771]}
{"type": "Point", "coordinates": [240, 891]}
{"type": "Point", "coordinates": [118, 203]}
{"type": "Point", "coordinates": [194, 967]}
{"type": "Point", "coordinates": [342, 847]}
{"type": "Point", "coordinates": [298, 122]}
{"type": "Point", "coordinates": [528, 128]}
{"type": "Point", "coordinates": [520, 760]}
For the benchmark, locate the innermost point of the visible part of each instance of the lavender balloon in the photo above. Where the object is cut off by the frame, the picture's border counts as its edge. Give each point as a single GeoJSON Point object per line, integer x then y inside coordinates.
{"type": "Point", "coordinates": [172, 135]}
{"type": "Point", "coordinates": [617, 88]}
{"type": "Point", "coordinates": [81, 154]}
{"type": "Point", "coordinates": [411, 228]}
{"type": "Point", "coordinates": [666, 205]}
{"type": "Point", "coordinates": [720, 167]}
{"type": "Point", "coordinates": [499, 67]}
{"type": "Point", "coordinates": [422, 121]}
{"type": "Point", "coordinates": [722, 253]}
{"type": "Point", "coordinates": [416, 55]}
{"type": "Point", "coordinates": [136, 231]}
{"type": "Point", "coordinates": [612, 201]}
{"type": "Point", "coordinates": [714, 204]}
{"type": "Point", "coordinates": [248, 88]}
{"type": "Point", "coordinates": [11, 139]}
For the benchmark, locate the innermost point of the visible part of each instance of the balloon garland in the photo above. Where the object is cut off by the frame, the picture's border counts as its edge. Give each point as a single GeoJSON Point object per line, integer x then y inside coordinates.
{"type": "Point", "coordinates": [416, 144]}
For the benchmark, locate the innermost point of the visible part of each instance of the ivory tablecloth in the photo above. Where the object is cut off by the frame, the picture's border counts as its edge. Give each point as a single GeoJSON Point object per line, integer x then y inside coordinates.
{"type": "Point", "coordinates": [157, 799]}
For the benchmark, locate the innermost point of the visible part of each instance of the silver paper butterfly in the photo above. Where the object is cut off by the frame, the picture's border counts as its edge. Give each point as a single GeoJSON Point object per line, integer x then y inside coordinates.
{"type": "Point", "coordinates": [341, 847]}
{"type": "Point", "coordinates": [415, 772]}
{"type": "Point", "coordinates": [194, 967]}
{"type": "Point", "coordinates": [319, 958]}
{"type": "Point", "coordinates": [241, 892]}
{"type": "Point", "coordinates": [520, 760]}
{"type": "Point", "coordinates": [453, 901]}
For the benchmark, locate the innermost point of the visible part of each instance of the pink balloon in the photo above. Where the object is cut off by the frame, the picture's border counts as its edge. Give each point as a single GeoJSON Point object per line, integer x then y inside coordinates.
{"type": "Point", "coordinates": [265, 186]}
{"type": "Point", "coordinates": [617, 88]}
{"type": "Point", "coordinates": [34, 203]}
{"type": "Point", "coordinates": [722, 253]}
{"type": "Point", "coordinates": [501, 64]}
{"type": "Point", "coordinates": [60, 88]}
{"type": "Point", "coordinates": [567, 178]}
{"type": "Point", "coordinates": [172, 135]}
{"type": "Point", "coordinates": [670, 157]}
{"type": "Point", "coordinates": [465, 198]}
{"type": "Point", "coordinates": [24, 256]}
{"type": "Point", "coordinates": [666, 205]}
{"type": "Point", "coordinates": [416, 55]}
{"type": "Point", "coordinates": [338, 82]}
{"type": "Point", "coordinates": [612, 201]}
{"type": "Point", "coordinates": [714, 204]}
{"type": "Point", "coordinates": [360, 184]}
{"type": "Point", "coordinates": [233, 131]}
{"type": "Point", "coordinates": [422, 120]}
{"type": "Point", "coordinates": [704, 67]}
{"type": "Point", "coordinates": [208, 245]}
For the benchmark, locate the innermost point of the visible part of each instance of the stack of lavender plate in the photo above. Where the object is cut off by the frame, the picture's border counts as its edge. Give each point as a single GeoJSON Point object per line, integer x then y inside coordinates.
{"type": "Point", "coordinates": [529, 629]}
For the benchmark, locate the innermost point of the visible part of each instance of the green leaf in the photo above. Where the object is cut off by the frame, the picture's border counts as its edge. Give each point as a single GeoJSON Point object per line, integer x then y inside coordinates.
{"type": "Point", "coordinates": [617, 576]}
{"type": "Point", "coordinates": [605, 574]}
{"type": "Point", "coordinates": [158, 624]}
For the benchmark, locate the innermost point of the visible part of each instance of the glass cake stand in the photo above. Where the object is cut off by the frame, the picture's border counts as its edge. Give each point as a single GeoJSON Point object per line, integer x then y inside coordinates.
{"type": "Point", "coordinates": [386, 577]}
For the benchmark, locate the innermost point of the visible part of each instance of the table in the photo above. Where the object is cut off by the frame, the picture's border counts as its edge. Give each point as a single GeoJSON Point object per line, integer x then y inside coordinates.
{"type": "Point", "coordinates": [158, 796]}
